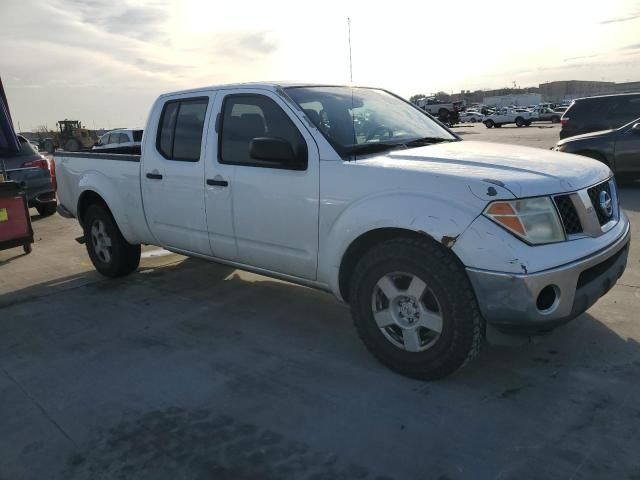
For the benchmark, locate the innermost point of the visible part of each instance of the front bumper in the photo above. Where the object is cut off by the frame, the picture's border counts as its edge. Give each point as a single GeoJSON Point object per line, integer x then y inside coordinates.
{"type": "Point", "coordinates": [508, 301]}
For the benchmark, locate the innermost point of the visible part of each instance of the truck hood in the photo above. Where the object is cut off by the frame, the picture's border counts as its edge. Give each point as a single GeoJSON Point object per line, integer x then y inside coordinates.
{"type": "Point", "coordinates": [524, 171]}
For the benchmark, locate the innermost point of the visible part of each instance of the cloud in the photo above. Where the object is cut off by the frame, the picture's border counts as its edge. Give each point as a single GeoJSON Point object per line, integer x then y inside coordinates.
{"type": "Point", "coordinates": [581, 57]}
{"type": "Point", "coordinates": [627, 18]}
{"type": "Point", "coordinates": [634, 46]}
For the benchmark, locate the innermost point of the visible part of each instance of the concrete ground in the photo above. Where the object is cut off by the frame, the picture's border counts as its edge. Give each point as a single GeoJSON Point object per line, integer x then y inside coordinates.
{"type": "Point", "coordinates": [191, 370]}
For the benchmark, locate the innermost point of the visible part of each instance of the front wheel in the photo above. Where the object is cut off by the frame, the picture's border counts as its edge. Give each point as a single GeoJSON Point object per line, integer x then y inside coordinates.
{"type": "Point", "coordinates": [414, 308]}
{"type": "Point", "coordinates": [110, 253]}
{"type": "Point", "coordinates": [519, 122]}
{"type": "Point", "coordinates": [489, 124]}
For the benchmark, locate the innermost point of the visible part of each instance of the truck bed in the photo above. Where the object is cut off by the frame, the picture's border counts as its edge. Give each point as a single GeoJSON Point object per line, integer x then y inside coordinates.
{"type": "Point", "coordinates": [114, 177]}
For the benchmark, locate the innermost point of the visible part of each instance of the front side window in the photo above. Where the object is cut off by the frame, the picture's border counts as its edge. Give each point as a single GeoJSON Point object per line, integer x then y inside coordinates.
{"type": "Point", "coordinates": [124, 138]}
{"type": "Point", "coordinates": [364, 120]}
{"type": "Point", "coordinates": [180, 129]}
{"type": "Point", "coordinates": [246, 117]}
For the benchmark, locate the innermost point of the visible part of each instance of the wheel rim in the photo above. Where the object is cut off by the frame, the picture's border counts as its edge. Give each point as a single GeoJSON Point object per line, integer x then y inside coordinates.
{"type": "Point", "coordinates": [407, 311]}
{"type": "Point", "coordinates": [101, 241]}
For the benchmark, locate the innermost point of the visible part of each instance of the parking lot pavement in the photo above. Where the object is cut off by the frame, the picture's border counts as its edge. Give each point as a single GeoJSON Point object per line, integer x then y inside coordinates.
{"type": "Point", "coordinates": [190, 370]}
{"type": "Point", "coordinates": [539, 134]}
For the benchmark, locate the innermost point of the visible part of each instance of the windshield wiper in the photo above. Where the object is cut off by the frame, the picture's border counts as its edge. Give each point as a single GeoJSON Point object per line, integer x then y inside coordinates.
{"type": "Point", "coordinates": [418, 142]}
{"type": "Point", "coordinates": [374, 147]}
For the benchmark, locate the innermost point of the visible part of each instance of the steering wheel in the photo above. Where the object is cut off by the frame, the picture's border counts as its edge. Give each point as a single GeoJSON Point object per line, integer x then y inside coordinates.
{"type": "Point", "coordinates": [380, 131]}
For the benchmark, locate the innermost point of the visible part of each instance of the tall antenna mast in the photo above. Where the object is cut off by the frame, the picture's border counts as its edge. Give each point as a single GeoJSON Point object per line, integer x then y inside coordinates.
{"type": "Point", "coordinates": [350, 64]}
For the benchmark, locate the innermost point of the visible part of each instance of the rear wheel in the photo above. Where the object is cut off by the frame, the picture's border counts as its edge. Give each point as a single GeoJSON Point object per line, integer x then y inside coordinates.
{"type": "Point", "coordinates": [110, 253]}
{"type": "Point", "coordinates": [414, 308]}
{"type": "Point", "coordinates": [72, 145]}
{"type": "Point", "coordinates": [47, 209]}
{"type": "Point", "coordinates": [519, 122]}
{"type": "Point", "coordinates": [489, 124]}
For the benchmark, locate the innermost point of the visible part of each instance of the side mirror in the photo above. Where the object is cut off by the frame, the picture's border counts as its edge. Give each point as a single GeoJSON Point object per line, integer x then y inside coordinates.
{"type": "Point", "coordinates": [272, 149]}
{"type": "Point", "coordinates": [636, 127]}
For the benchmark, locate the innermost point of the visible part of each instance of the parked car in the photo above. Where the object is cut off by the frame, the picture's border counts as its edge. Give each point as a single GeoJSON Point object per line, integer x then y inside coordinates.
{"type": "Point", "coordinates": [618, 148]}
{"type": "Point", "coordinates": [560, 109]}
{"type": "Point", "coordinates": [120, 141]}
{"type": "Point", "coordinates": [446, 112]}
{"type": "Point", "coordinates": [471, 116]}
{"type": "Point", "coordinates": [433, 241]}
{"type": "Point", "coordinates": [37, 174]}
{"type": "Point", "coordinates": [503, 116]}
{"type": "Point", "coordinates": [594, 114]}
{"type": "Point", "coordinates": [543, 114]}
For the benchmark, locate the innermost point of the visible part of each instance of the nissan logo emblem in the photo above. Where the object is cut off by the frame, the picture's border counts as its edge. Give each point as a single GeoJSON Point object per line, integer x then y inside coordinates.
{"type": "Point", "coordinates": [604, 202]}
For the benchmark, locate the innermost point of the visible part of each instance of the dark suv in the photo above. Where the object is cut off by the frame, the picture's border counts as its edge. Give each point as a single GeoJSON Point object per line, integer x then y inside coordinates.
{"type": "Point", "coordinates": [594, 114]}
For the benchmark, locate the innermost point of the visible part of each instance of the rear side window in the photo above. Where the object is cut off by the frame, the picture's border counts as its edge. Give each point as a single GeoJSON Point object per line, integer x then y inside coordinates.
{"type": "Point", "coordinates": [180, 129]}
{"type": "Point", "coordinates": [124, 138]}
{"type": "Point", "coordinates": [629, 109]}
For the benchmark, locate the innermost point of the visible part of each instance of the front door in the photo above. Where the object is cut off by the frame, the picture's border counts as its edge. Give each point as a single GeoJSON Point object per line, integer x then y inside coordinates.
{"type": "Point", "coordinates": [275, 205]}
{"type": "Point", "coordinates": [627, 157]}
{"type": "Point", "coordinates": [172, 175]}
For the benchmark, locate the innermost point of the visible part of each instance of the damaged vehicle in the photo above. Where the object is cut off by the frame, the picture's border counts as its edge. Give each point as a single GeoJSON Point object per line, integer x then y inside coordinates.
{"type": "Point", "coordinates": [434, 242]}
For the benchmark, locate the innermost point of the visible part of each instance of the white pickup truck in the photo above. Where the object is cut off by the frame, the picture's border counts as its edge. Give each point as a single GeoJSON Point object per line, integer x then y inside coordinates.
{"type": "Point", "coordinates": [521, 117]}
{"type": "Point", "coordinates": [433, 241]}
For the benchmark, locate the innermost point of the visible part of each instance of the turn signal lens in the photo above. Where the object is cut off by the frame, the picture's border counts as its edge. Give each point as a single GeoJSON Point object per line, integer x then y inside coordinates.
{"type": "Point", "coordinates": [535, 220]}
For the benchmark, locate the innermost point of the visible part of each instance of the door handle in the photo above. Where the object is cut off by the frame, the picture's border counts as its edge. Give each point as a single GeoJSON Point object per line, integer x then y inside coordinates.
{"type": "Point", "coordinates": [217, 183]}
{"type": "Point", "coordinates": [154, 176]}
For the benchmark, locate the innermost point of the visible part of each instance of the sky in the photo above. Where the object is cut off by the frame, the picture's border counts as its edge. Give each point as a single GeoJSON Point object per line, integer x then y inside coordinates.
{"type": "Point", "coordinates": [104, 61]}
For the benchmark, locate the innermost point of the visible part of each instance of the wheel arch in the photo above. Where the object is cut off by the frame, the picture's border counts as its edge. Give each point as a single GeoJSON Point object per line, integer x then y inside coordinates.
{"type": "Point", "coordinates": [368, 240]}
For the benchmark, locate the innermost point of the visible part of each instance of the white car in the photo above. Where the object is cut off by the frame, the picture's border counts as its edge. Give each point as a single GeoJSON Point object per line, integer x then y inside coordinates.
{"type": "Point", "coordinates": [120, 141]}
{"type": "Point", "coordinates": [433, 241]}
{"type": "Point", "coordinates": [471, 116]}
{"type": "Point", "coordinates": [521, 117]}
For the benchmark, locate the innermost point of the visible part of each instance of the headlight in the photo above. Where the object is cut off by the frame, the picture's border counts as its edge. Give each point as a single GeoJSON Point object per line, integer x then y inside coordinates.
{"type": "Point", "coordinates": [534, 220]}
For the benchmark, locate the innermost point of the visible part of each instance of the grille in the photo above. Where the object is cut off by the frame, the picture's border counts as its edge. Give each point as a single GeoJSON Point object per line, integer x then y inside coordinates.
{"type": "Point", "coordinates": [594, 192]}
{"type": "Point", "coordinates": [568, 214]}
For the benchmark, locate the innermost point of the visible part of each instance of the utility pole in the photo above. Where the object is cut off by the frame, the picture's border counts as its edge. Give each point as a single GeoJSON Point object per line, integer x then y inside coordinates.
{"type": "Point", "coordinates": [350, 64]}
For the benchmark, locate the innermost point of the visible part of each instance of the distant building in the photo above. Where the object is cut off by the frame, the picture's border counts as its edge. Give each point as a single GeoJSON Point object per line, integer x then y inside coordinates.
{"type": "Point", "coordinates": [517, 99]}
{"type": "Point", "coordinates": [569, 89]}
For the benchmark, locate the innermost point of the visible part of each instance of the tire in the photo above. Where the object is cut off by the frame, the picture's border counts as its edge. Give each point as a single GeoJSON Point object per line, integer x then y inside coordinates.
{"type": "Point", "coordinates": [555, 119]}
{"type": "Point", "coordinates": [519, 122]}
{"type": "Point", "coordinates": [49, 147]}
{"type": "Point", "coordinates": [27, 248]}
{"type": "Point", "coordinates": [473, 120]}
{"type": "Point", "coordinates": [47, 209]}
{"type": "Point", "coordinates": [110, 253]}
{"type": "Point", "coordinates": [489, 124]}
{"type": "Point", "coordinates": [72, 145]}
{"type": "Point", "coordinates": [527, 123]}
{"type": "Point", "coordinates": [413, 349]}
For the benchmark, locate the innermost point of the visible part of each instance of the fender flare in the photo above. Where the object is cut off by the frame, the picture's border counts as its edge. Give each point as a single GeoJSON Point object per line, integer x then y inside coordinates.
{"type": "Point", "coordinates": [116, 201]}
{"type": "Point", "coordinates": [417, 213]}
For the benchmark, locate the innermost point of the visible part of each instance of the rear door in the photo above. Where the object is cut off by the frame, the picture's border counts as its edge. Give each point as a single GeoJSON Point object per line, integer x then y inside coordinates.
{"type": "Point", "coordinates": [627, 155]}
{"type": "Point", "coordinates": [172, 173]}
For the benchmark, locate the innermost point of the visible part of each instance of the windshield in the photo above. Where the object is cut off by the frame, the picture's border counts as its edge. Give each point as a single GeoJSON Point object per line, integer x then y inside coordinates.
{"type": "Point", "coordinates": [363, 120]}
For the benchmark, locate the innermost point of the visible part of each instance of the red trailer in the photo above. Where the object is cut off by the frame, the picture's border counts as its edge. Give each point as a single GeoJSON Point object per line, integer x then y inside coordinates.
{"type": "Point", "coordinates": [15, 222]}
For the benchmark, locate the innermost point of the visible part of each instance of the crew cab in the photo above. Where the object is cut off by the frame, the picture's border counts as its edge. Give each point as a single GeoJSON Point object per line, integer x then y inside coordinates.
{"type": "Point", "coordinates": [433, 241]}
{"type": "Point", "coordinates": [521, 117]}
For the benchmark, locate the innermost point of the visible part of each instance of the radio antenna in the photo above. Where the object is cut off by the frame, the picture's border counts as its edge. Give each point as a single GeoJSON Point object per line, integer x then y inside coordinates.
{"type": "Point", "coordinates": [350, 64]}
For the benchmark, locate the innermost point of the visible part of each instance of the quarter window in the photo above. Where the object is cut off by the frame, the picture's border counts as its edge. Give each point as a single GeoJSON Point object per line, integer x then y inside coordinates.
{"type": "Point", "coordinates": [180, 130]}
{"type": "Point", "coordinates": [245, 117]}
